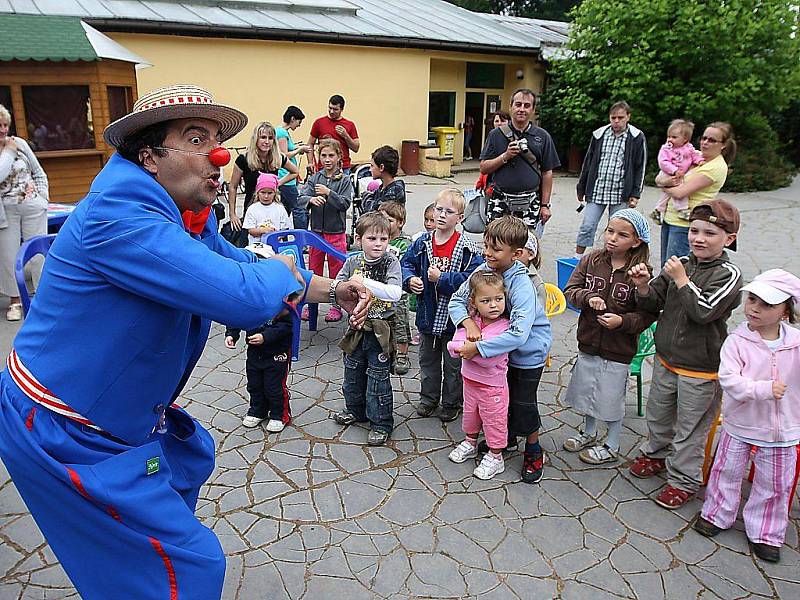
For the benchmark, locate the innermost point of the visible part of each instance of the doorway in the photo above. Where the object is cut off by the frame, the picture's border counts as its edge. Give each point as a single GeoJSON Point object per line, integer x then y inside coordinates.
{"type": "Point", "coordinates": [473, 117]}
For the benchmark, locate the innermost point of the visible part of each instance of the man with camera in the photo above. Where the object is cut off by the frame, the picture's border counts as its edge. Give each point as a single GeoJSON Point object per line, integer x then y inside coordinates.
{"type": "Point", "coordinates": [520, 158]}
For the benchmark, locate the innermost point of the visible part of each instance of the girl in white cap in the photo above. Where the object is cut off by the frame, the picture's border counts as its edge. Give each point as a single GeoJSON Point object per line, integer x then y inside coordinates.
{"type": "Point", "coordinates": [760, 378]}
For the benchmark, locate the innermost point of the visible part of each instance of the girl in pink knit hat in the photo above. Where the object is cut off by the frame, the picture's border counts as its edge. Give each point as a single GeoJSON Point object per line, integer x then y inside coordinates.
{"type": "Point", "coordinates": [760, 378]}
{"type": "Point", "coordinates": [267, 214]}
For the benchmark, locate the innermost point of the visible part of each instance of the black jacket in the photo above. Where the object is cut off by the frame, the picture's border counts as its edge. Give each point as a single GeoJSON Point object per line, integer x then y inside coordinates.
{"type": "Point", "coordinates": [277, 338]}
{"type": "Point", "coordinates": [635, 161]}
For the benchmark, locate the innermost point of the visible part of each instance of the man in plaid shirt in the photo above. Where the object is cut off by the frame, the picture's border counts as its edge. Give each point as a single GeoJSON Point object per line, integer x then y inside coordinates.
{"type": "Point", "coordinates": [613, 172]}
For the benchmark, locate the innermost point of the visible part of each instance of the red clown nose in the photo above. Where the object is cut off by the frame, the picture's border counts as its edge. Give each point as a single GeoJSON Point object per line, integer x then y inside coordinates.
{"type": "Point", "coordinates": [219, 156]}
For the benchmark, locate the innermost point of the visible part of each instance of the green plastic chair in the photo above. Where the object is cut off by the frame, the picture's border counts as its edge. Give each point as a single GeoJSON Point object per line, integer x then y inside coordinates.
{"type": "Point", "coordinates": [647, 347]}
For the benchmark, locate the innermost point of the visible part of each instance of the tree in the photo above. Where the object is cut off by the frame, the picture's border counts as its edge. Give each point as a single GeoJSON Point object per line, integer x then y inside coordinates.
{"type": "Point", "coordinates": [535, 9]}
{"type": "Point", "coordinates": [732, 60]}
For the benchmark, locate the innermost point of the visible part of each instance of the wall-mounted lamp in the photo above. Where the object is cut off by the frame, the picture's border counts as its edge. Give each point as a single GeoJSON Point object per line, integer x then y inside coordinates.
{"type": "Point", "coordinates": [520, 74]}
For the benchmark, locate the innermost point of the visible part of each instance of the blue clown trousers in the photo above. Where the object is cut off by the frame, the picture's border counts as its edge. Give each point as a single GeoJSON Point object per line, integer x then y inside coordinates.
{"type": "Point", "coordinates": [119, 518]}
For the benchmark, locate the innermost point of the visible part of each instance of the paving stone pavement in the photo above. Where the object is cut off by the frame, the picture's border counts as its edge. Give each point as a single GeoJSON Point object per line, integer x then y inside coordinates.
{"type": "Point", "coordinates": [314, 513]}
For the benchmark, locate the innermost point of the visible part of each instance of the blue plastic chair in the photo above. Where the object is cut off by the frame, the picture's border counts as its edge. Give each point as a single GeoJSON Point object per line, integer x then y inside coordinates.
{"type": "Point", "coordinates": [292, 242]}
{"type": "Point", "coordinates": [39, 244]}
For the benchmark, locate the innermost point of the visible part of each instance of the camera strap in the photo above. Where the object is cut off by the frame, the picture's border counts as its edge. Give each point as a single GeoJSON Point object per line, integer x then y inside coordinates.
{"type": "Point", "coordinates": [530, 157]}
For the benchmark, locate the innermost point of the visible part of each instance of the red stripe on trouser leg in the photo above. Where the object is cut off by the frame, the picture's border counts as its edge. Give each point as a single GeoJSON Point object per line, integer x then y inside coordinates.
{"type": "Point", "coordinates": [29, 420]}
{"type": "Point", "coordinates": [76, 481]}
{"type": "Point", "coordinates": [173, 583]}
{"type": "Point", "coordinates": [287, 411]}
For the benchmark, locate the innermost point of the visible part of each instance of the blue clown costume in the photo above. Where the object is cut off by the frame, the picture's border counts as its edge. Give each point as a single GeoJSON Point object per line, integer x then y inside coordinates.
{"type": "Point", "coordinates": [108, 466]}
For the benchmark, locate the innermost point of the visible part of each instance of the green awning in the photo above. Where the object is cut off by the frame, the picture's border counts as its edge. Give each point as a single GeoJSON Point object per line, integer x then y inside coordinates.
{"type": "Point", "coordinates": [37, 37]}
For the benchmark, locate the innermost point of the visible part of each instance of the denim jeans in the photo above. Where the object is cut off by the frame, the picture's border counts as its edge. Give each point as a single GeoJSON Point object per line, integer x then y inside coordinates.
{"type": "Point", "coordinates": [367, 388]}
{"type": "Point", "coordinates": [592, 214]}
{"type": "Point", "coordinates": [674, 241]}
{"type": "Point", "coordinates": [289, 198]}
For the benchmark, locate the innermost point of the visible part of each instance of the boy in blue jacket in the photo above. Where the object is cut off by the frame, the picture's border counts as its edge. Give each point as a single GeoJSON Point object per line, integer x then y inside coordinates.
{"type": "Point", "coordinates": [527, 339]}
{"type": "Point", "coordinates": [436, 265]}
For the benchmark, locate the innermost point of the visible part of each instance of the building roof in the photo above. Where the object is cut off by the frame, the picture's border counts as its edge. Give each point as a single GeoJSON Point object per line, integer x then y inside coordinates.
{"type": "Point", "coordinates": [57, 38]}
{"type": "Point", "coordinates": [412, 23]}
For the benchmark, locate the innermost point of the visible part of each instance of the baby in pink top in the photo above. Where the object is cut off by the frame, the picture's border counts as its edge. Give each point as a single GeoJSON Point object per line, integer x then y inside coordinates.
{"type": "Point", "coordinates": [484, 379]}
{"type": "Point", "coordinates": [675, 158]}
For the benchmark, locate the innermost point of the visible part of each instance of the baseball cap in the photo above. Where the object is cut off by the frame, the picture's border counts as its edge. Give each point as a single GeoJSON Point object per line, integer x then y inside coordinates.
{"type": "Point", "coordinates": [721, 213]}
{"type": "Point", "coordinates": [775, 287]}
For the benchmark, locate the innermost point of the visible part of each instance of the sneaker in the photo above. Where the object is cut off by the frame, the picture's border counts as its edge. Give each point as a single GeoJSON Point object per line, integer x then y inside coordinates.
{"type": "Point", "coordinates": [14, 312]}
{"type": "Point", "coordinates": [578, 442]}
{"type": "Point", "coordinates": [490, 466]}
{"type": "Point", "coordinates": [415, 339]}
{"type": "Point", "coordinates": [304, 313]}
{"type": "Point", "coordinates": [532, 467]}
{"type": "Point", "coordinates": [275, 426]}
{"type": "Point", "coordinates": [656, 216]}
{"type": "Point", "coordinates": [705, 527]}
{"type": "Point", "coordinates": [402, 364]}
{"type": "Point", "coordinates": [449, 413]}
{"type": "Point", "coordinates": [425, 410]}
{"type": "Point", "coordinates": [377, 437]}
{"type": "Point", "coordinates": [598, 455]}
{"type": "Point", "coordinates": [766, 552]}
{"type": "Point", "coordinates": [463, 452]}
{"type": "Point", "coordinates": [250, 421]}
{"type": "Point", "coordinates": [344, 417]}
{"type": "Point", "coordinates": [334, 315]}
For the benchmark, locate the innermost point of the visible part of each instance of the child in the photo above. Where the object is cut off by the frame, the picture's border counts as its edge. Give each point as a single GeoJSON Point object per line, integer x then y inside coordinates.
{"type": "Point", "coordinates": [696, 295]}
{"type": "Point", "coordinates": [368, 351]}
{"type": "Point", "coordinates": [675, 158]}
{"type": "Point", "coordinates": [760, 377]}
{"type": "Point", "coordinates": [485, 384]}
{"type": "Point", "coordinates": [395, 213]}
{"type": "Point", "coordinates": [268, 214]}
{"type": "Point", "coordinates": [527, 339]}
{"type": "Point", "coordinates": [608, 333]}
{"type": "Point", "coordinates": [434, 267]}
{"type": "Point", "coordinates": [269, 354]}
{"type": "Point", "coordinates": [384, 164]}
{"type": "Point", "coordinates": [532, 260]}
{"type": "Point", "coordinates": [328, 193]}
{"type": "Point", "coordinates": [429, 224]}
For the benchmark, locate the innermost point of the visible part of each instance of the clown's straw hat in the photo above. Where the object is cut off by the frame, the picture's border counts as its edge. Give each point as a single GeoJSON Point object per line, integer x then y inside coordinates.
{"type": "Point", "coordinates": [175, 102]}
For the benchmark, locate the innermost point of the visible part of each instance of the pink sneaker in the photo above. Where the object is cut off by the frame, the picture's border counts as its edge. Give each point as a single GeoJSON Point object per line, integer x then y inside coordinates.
{"type": "Point", "coordinates": [334, 314]}
{"type": "Point", "coordinates": [304, 314]}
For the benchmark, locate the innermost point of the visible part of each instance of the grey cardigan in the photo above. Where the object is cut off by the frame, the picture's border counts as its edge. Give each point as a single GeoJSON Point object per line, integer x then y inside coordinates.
{"type": "Point", "coordinates": [331, 217]}
{"type": "Point", "coordinates": [7, 158]}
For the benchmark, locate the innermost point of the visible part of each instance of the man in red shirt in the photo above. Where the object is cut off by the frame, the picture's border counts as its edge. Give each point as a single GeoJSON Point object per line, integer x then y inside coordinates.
{"type": "Point", "coordinates": [337, 127]}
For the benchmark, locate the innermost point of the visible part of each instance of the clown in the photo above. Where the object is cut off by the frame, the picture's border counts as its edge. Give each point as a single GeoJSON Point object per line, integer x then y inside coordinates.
{"type": "Point", "coordinates": [107, 465]}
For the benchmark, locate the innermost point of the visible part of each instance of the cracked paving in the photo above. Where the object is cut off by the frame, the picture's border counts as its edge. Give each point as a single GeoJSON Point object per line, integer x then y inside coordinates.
{"type": "Point", "coordinates": [313, 512]}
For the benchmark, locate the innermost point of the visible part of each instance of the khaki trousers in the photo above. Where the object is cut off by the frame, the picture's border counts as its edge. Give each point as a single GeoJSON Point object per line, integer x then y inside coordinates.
{"type": "Point", "coordinates": [680, 411]}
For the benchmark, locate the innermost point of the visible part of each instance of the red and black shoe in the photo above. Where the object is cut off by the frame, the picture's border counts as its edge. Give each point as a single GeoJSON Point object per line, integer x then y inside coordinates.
{"type": "Point", "coordinates": [533, 467]}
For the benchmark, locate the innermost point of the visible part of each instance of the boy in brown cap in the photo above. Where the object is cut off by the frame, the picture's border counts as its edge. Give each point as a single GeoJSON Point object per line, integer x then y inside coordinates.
{"type": "Point", "coordinates": [697, 294]}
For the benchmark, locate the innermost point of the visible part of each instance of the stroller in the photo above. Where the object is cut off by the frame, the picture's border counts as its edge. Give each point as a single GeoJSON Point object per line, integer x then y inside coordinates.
{"type": "Point", "coordinates": [360, 176]}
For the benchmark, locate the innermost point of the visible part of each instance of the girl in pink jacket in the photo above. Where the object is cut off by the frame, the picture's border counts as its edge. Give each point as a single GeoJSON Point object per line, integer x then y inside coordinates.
{"type": "Point", "coordinates": [675, 158]}
{"type": "Point", "coordinates": [760, 379]}
{"type": "Point", "coordinates": [484, 379]}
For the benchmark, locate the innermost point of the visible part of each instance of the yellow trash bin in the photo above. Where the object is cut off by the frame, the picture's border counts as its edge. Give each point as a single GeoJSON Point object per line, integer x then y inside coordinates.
{"type": "Point", "coordinates": [445, 138]}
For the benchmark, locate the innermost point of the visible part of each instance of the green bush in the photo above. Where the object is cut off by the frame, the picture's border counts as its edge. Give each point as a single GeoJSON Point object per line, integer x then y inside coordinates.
{"type": "Point", "coordinates": [760, 163]}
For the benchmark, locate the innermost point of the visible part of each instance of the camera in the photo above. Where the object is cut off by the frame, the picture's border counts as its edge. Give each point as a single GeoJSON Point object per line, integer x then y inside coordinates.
{"type": "Point", "coordinates": [522, 144]}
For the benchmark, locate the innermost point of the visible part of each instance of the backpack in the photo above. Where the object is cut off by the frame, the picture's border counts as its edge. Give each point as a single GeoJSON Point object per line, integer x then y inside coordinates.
{"type": "Point", "coordinates": [476, 213]}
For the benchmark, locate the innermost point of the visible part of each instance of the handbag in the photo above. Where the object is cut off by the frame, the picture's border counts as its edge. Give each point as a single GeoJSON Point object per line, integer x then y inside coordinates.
{"type": "Point", "coordinates": [237, 238]}
{"type": "Point", "coordinates": [476, 213]}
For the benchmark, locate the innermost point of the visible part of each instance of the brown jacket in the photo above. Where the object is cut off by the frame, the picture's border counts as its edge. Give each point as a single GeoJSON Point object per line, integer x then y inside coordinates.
{"type": "Point", "coordinates": [595, 278]}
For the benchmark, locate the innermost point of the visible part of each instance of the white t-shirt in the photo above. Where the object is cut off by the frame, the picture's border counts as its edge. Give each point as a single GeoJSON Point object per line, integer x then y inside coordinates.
{"type": "Point", "coordinates": [265, 215]}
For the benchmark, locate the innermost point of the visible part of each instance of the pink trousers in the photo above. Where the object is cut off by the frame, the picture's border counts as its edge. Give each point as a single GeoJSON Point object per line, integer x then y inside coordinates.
{"type": "Point", "coordinates": [486, 407]}
{"type": "Point", "coordinates": [766, 513]}
{"type": "Point", "coordinates": [316, 258]}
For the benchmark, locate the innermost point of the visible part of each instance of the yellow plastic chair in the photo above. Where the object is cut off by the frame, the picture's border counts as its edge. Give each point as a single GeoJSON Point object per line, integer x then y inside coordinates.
{"type": "Point", "coordinates": [556, 304]}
